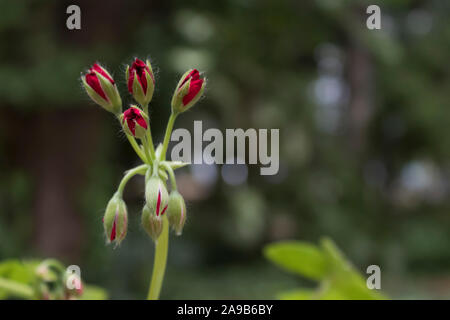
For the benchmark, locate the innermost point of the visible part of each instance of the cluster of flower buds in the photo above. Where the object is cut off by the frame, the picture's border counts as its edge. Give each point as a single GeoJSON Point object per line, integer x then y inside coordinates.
{"type": "Point", "coordinates": [159, 205]}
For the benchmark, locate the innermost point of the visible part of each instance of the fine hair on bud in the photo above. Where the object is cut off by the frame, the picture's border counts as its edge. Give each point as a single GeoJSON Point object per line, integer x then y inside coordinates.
{"type": "Point", "coordinates": [176, 212]}
{"type": "Point", "coordinates": [151, 223]}
{"type": "Point", "coordinates": [115, 220]}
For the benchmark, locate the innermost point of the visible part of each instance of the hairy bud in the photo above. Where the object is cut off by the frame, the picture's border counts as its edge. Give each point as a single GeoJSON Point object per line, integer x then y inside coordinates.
{"type": "Point", "coordinates": [102, 89]}
{"type": "Point", "coordinates": [115, 220]}
{"type": "Point", "coordinates": [176, 212]}
{"type": "Point", "coordinates": [189, 90]}
{"type": "Point", "coordinates": [156, 196]}
{"type": "Point", "coordinates": [152, 224]}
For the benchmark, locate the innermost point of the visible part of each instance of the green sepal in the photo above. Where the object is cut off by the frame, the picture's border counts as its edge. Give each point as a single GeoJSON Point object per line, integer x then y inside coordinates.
{"type": "Point", "coordinates": [96, 97]}
{"type": "Point", "coordinates": [111, 93]}
{"type": "Point", "coordinates": [175, 164]}
{"type": "Point", "coordinates": [152, 224]}
{"type": "Point", "coordinates": [153, 187]}
{"type": "Point", "coordinates": [116, 210]}
{"type": "Point", "coordinates": [176, 212]}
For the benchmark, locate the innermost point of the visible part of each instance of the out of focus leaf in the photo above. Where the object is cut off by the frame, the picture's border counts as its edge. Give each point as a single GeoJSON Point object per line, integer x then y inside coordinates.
{"type": "Point", "coordinates": [299, 294]}
{"type": "Point", "coordinates": [298, 257]}
{"type": "Point", "coordinates": [339, 280]}
{"type": "Point", "coordinates": [93, 293]}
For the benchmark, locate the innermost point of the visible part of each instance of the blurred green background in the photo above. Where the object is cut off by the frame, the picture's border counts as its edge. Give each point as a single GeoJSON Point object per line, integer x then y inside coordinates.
{"type": "Point", "coordinates": [364, 139]}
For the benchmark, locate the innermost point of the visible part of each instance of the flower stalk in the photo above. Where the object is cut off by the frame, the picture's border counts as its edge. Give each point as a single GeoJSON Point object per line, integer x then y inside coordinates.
{"type": "Point", "coordinates": [159, 263]}
{"type": "Point", "coordinates": [135, 122]}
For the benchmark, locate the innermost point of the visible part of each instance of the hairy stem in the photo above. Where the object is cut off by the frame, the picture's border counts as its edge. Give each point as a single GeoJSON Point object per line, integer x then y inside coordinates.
{"type": "Point", "coordinates": [159, 264]}
{"type": "Point", "coordinates": [149, 135]}
{"type": "Point", "coordinates": [147, 150]}
{"type": "Point", "coordinates": [173, 181]}
{"type": "Point", "coordinates": [169, 129]}
{"type": "Point", "coordinates": [128, 175]}
{"type": "Point", "coordinates": [136, 148]}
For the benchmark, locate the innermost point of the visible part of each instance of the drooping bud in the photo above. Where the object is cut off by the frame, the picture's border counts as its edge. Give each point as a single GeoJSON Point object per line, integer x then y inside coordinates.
{"type": "Point", "coordinates": [156, 196]}
{"type": "Point", "coordinates": [115, 221]}
{"type": "Point", "coordinates": [101, 87]}
{"type": "Point", "coordinates": [134, 121]}
{"type": "Point", "coordinates": [189, 90]}
{"type": "Point", "coordinates": [141, 81]}
{"type": "Point", "coordinates": [176, 212]}
{"type": "Point", "coordinates": [152, 223]}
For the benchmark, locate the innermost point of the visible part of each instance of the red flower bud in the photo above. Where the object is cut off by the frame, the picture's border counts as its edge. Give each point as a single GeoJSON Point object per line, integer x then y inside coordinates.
{"type": "Point", "coordinates": [194, 86]}
{"type": "Point", "coordinates": [188, 92]}
{"type": "Point", "coordinates": [140, 81]}
{"type": "Point", "coordinates": [134, 122]}
{"type": "Point", "coordinates": [101, 87]}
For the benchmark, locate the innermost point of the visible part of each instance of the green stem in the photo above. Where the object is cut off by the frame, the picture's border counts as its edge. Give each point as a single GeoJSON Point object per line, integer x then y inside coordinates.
{"type": "Point", "coordinates": [134, 144]}
{"type": "Point", "coordinates": [146, 150]}
{"type": "Point", "coordinates": [149, 134]}
{"type": "Point", "coordinates": [16, 288]}
{"type": "Point", "coordinates": [169, 129]}
{"type": "Point", "coordinates": [173, 181]}
{"type": "Point", "coordinates": [136, 148]}
{"type": "Point", "coordinates": [159, 264]}
{"type": "Point", "coordinates": [128, 175]}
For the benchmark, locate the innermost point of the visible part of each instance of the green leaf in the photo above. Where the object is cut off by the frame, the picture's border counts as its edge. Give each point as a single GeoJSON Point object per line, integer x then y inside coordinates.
{"type": "Point", "coordinates": [93, 293]}
{"type": "Point", "coordinates": [15, 271]}
{"type": "Point", "coordinates": [297, 294]}
{"type": "Point", "coordinates": [345, 279]}
{"type": "Point", "coordinates": [298, 257]}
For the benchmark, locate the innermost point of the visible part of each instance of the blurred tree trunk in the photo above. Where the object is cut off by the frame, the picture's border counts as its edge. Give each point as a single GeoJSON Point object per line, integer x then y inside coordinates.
{"type": "Point", "coordinates": [360, 78]}
{"type": "Point", "coordinates": [58, 152]}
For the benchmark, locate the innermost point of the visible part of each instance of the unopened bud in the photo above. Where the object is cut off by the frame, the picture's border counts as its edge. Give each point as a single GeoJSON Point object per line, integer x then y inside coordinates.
{"type": "Point", "coordinates": [156, 196]}
{"type": "Point", "coordinates": [176, 212]}
{"type": "Point", "coordinates": [115, 220]}
{"type": "Point", "coordinates": [134, 122]}
{"type": "Point", "coordinates": [141, 82]}
{"type": "Point", "coordinates": [101, 88]}
{"type": "Point", "coordinates": [189, 90]}
{"type": "Point", "coordinates": [152, 224]}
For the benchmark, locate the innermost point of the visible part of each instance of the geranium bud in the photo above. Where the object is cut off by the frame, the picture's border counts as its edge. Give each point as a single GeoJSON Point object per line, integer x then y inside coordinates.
{"type": "Point", "coordinates": [189, 90]}
{"type": "Point", "coordinates": [115, 220]}
{"type": "Point", "coordinates": [134, 122]}
{"type": "Point", "coordinates": [156, 196]}
{"type": "Point", "coordinates": [100, 86]}
{"type": "Point", "coordinates": [152, 224]}
{"type": "Point", "coordinates": [176, 212]}
{"type": "Point", "coordinates": [141, 81]}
